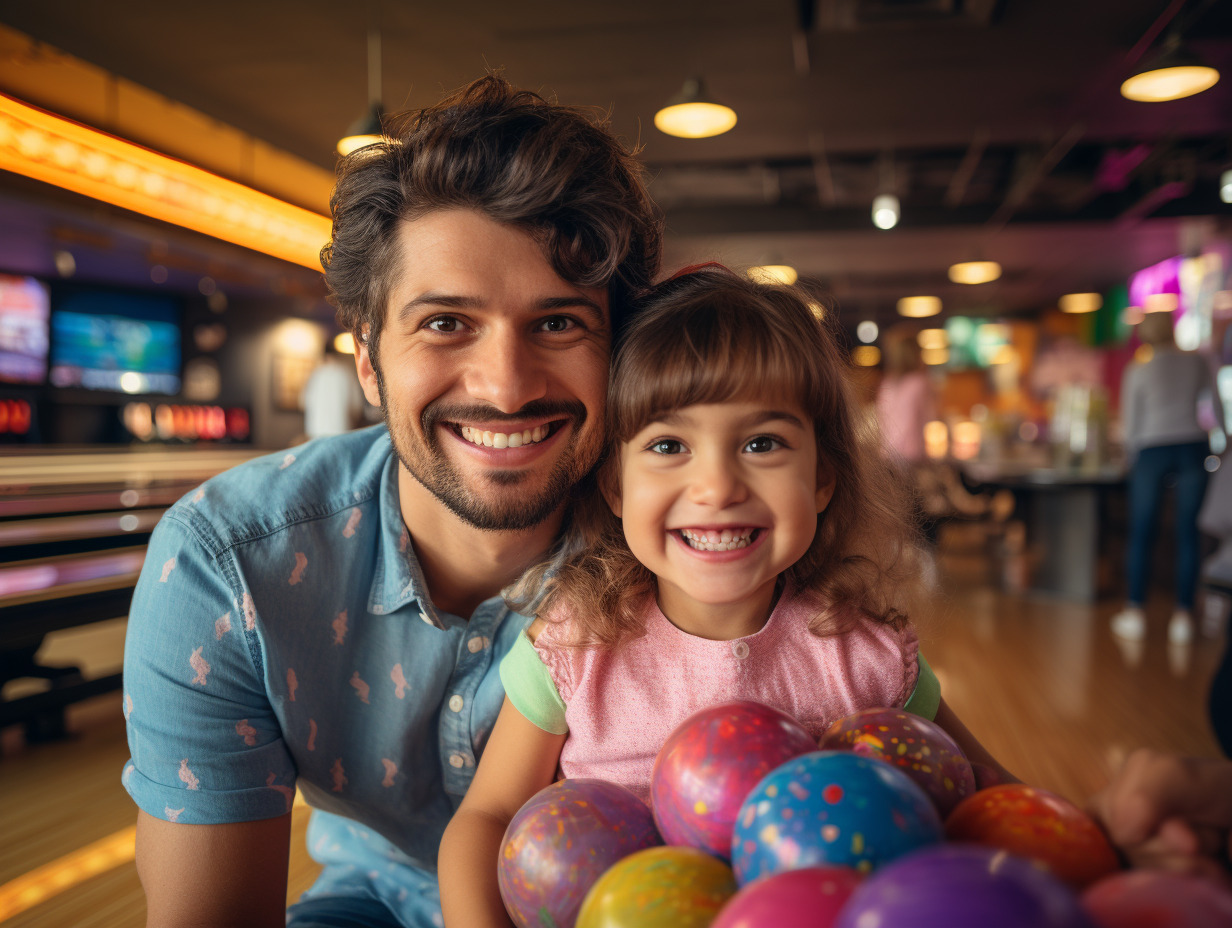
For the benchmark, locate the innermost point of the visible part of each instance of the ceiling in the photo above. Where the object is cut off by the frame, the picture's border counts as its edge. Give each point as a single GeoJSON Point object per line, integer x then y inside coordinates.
{"type": "Point", "coordinates": [998, 123]}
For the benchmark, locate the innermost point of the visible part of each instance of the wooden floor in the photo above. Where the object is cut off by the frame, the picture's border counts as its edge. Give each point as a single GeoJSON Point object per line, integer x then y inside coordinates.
{"type": "Point", "coordinates": [1041, 682]}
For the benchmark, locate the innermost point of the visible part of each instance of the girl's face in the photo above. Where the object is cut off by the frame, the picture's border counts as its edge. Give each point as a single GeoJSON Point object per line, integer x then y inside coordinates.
{"type": "Point", "coordinates": [717, 500]}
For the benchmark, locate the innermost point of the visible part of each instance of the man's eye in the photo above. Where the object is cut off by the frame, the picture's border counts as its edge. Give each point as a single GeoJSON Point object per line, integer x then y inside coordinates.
{"type": "Point", "coordinates": [558, 324]}
{"type": "Point", "coordinates": [762, 444]}
{"type": "Point", "coordinates": [666, 446]}
{"type": "Point", "coordinates": [443, 324]}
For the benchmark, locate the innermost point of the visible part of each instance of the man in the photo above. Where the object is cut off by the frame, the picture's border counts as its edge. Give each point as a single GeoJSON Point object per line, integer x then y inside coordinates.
{"type": "Point", "coordinates": [329, 617]}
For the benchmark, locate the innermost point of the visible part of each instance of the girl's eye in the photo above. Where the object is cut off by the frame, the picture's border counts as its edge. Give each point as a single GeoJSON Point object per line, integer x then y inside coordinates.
{"type": "Point", "coordinates": [666, 446]}
{"type": "Point", "coordinates": [762, 444]}
{"type": "Point", "coordinates": [443, 324]}
{"type": "Point", "coordinates": [558, 324]}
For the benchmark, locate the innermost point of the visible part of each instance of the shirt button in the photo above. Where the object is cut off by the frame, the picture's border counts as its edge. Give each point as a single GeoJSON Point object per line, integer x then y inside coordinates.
{"type": "Point", "coordinates": [456, 760]}
{"type": "Point", "coordinates": [476, 644]}
{"type": "Point", "coordinates": [455, 703]}
{"type": "Point", "coordinates": [740, 649]}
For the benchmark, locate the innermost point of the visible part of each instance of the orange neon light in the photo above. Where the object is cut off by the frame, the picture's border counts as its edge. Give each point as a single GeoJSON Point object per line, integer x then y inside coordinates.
{"type": "Point", "coordinates": [55, 150]}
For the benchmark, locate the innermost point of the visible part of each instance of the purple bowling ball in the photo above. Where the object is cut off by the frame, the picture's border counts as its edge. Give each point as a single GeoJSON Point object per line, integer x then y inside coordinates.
{"type": "Point", "coordinates": [561, 841]}
{"type": "Point", "coordinates": [831, 808]}
{"type": "Point", "coordinates": [709, 763]}
{"type": "Point", "coordinates": [963, 886]}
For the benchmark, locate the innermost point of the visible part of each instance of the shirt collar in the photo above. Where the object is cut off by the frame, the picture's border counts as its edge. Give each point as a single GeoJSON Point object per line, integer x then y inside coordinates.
{"type": "Point", "coordinates": [398, 579]}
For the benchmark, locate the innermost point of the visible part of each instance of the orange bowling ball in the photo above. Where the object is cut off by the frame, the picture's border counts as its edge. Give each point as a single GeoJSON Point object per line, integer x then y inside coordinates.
{"type": "Point", "coordinates": [1039, 825]}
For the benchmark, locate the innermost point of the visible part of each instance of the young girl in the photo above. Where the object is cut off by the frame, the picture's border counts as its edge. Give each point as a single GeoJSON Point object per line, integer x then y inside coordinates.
{"type": "Point", "coordinates": [752, 546]}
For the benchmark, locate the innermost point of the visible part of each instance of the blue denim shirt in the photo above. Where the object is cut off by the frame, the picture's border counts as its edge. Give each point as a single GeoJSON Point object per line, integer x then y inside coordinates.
{"type": "Point", "coordinates": [281, 634]}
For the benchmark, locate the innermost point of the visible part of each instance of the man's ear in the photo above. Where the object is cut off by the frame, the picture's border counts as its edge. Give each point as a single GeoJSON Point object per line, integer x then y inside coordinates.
{"type": "Point", "coordinates": [825, 488]}
{"type": "Point", "coordinates": [363, 366]}
{"type": "Point", "coordinates": [609, 483]}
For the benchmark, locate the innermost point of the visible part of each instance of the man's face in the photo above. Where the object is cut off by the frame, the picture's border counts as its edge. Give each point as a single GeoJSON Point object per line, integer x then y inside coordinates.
{"type": "Point", "coordinates": [491, 370]}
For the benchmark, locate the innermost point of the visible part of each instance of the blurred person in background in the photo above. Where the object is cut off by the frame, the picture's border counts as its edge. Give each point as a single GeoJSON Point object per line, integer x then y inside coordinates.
{"type": "Point", "coordinates": [905, 400]}
{"type": "Point", "coordinates": [1165, 442]}
{"type": "Point", "coordinates": [332, 398]}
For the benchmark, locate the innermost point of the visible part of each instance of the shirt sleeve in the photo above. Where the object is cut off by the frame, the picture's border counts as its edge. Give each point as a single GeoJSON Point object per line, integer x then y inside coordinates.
{"type": "Point", "coordinates": [206, 746]}
{"type": "Point", "coordinates": [529, 686]}
{"type": "Point", "coordinates": [926, 697]}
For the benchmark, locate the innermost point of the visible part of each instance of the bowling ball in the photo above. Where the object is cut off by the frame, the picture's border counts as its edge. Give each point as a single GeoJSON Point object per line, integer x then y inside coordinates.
{"type": "Point", "coordinates": [1039, 825]}
{"type": "Point", "coordinates": [709, 763]}
{"type": "Point", "coordinates": [962, 886]}
{"type": "Point", "coordinates": [831, 808]}
{"type": "Point", "coordinates": [660, 887]}
{"type": "Point", "coordinates": [561, 841]}
{"type": "Point", "coordinates": [807, 898]}
{"type": "Point", "coordinates": [1157, 899]}
{"type": "Point", "coordinates": [919, 748]}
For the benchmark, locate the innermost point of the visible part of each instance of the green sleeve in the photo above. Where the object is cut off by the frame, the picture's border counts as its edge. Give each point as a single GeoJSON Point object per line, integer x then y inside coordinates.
{"type": "Point", "coordinates": [926, 698]}
{"type": "Point", "coordinates": [530, 688]}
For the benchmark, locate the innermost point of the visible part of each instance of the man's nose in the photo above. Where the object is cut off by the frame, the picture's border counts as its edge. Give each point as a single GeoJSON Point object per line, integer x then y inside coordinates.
{"type": "Point", "coordinates": [505, 371]}
{"type": "Point", "coordinates": [717, 482]}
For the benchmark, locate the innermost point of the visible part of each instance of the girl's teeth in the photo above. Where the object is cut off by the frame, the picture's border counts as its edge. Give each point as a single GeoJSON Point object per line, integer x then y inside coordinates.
{"type": "Point", "coordinates": [725, 540]}
{"type": "Point", "coordinates": [504, 439]}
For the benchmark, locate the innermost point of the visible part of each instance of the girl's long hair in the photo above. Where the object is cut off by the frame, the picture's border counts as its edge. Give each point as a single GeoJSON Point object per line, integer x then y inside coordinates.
{"type": "Point", "coordinates": [710, 336]}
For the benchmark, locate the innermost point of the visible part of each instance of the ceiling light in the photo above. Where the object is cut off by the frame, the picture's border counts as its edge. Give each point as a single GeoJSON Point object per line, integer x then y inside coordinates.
{"type": "Point", "coordinates": [1080, 302]}
{"type": "Point", "coordinates": [1225, 186]}
{"type": "Point", "coordinates": [932, 338]}
{"type": "Point", "coordinates": [974, 272]}
{"type": "Point", "coordinates": [917, 307]}
{"type": "Point", "coordinates": [783, 274]}
{"type": "Point", "coordinates": [1171, 74]}
{"type": "Point", "coordinates": [866, 356]}
{"type": "Point", "coordinates": [344, 343]}
{"type": "Point", "coordinates": [935, 356]}
{"type": "Point", "coordinates": [867, 331]}
{"type": "Point", "coordinates": [885, 211]}
{"type": "Point", "coordinates": [694, 114]}
{"type": "Point", "coordinates": [1132, 315]}
{"type": "Point", "coordinates": [1161, 303]}
{"type": "Point", "coordinates": [366, 130]}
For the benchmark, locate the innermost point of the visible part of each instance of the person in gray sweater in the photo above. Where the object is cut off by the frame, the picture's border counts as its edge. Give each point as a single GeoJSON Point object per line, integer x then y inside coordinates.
{"type": "Point", "coordinates": [1165, 441]}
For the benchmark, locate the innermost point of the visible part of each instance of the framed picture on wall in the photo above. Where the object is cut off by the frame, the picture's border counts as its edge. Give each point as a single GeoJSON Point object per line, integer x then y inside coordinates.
{"type": "Point", "coordinates": [291, 372]}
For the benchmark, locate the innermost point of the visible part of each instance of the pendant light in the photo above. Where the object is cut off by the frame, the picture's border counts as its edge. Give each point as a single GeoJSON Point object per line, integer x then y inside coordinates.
{"type": "Point", "coordinates": [1171, 74]}
{"type": "Point", "coordinates": [367, 129]}
{"type": "Point", "coordinates": [974, 272]}
{"type": "Point", "coordinates": [886, 210]}
{"type": "Point", "coordinates": [694, 114]}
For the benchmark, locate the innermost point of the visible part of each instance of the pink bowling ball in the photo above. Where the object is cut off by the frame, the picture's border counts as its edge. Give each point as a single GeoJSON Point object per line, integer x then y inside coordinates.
{"type": "Point", "coordinates": [711, 762]}
{"type": "Point", "coordinates": [1158, 899]}
{"type": "Point", "coordinates": [810, 897]}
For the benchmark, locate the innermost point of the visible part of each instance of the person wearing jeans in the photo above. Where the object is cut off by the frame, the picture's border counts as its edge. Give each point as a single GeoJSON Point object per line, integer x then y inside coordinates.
{"type": "Point", "coordinates": [1165, 441]}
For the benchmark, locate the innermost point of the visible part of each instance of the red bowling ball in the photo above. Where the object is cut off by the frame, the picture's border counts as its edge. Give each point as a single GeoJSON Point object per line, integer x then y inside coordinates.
{"type": "Point", "coordinates": [710, 762]}
{"type": "Point", "coordinates": [1158, 899]}
{"type": "Point", "coordinates": [1039, 825]}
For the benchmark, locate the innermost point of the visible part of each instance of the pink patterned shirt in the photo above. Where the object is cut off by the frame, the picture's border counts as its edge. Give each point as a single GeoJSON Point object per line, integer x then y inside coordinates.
{"type": "Point", "coordinates": [621, 706]}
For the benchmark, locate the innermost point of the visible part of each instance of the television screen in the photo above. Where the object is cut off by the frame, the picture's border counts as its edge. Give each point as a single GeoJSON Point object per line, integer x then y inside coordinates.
{"type": "Point", "coordinates": [127, 342]}
{"type": "Point", "coordinates": [23, 329]}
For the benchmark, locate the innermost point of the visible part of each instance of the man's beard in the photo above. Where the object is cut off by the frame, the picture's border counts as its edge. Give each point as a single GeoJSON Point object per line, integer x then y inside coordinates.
{"type": "Point", "coordinates": [510, 511]}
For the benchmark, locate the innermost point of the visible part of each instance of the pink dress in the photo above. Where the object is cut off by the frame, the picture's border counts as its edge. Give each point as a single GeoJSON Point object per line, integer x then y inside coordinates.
{"type": "Point", "coordinates": [621, 706]}
{"type": "Point", "coordinates": [904, 405]}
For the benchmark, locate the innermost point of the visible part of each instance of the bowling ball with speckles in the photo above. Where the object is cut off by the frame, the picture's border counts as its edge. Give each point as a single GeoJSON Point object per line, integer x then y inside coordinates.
{"type": "Point", "coordinates": [1038, 825]}
{"type": "Point", "coordinates": [709, 763]}
{"type": "Point", "coordinates": [561, 841]}
{"type": "Point", "coordinates": [832, 808]}
{"type": "Point", "coordinates": [919, 748]}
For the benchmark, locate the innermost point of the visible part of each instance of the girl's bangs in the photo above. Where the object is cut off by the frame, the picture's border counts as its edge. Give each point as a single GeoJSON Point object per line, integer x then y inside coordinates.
{"type": "Point", "coordinates": [719, 355]}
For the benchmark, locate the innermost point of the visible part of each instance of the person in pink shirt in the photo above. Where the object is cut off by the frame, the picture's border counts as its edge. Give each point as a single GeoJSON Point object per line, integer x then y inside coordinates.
{"type": "Point", "coordinates": [746, 542]}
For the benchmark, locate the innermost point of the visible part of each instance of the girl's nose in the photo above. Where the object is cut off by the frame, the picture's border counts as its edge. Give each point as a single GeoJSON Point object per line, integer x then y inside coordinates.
{"type": "Point", "coordinates": [717, 483]}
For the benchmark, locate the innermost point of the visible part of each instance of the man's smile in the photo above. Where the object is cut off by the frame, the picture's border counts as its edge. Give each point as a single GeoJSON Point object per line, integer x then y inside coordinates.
{"type": "Point", "coordinates": [490, 438]}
